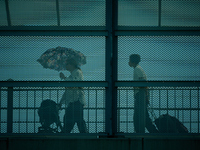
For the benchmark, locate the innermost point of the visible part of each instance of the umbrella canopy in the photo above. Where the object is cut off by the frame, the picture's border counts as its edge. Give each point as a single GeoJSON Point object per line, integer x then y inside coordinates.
{"type": "Point", "coordinates": [56, 58]}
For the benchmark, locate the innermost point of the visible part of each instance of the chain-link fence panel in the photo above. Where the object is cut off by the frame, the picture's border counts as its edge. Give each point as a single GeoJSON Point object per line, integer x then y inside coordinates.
{"type": "Point", "coordinates": [138, 13]}
{"type": "Point", "coordinates": [82, 12]}
{"type": "Point", "coordinates": [33, 13]}
{"type": "Point", "coordinates": [31, 114]}
{"type": "Point", "coordinates": [53, 13]}
{"type": "Point", "coordinates": [181, 13]}
{"type": "Point", "coordinates": [19, 56]}
{"type": "Point", "coordinates": [3, 109]}
{"type": "Point", "coordinates": [162, 57]}
{"type": "Point", "coordinates": [181, 103]}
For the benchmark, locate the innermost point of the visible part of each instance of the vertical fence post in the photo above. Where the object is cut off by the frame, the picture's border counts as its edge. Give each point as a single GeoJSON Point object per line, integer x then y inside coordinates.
{"type": "Point", "coordinates": [0, 108]}
{"type": "Point", "coordinates": [108, 102]}
{"type": "Point", "coordinates": [10, 110]}
{"type": "Point", "coordinates": [111, 67]}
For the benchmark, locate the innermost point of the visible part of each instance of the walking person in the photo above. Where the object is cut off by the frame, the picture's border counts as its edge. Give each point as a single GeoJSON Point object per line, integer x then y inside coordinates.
{"type": "Point", "coordinates": [74, 99]}
{"type": "Point", "coordinates": [141, 96]}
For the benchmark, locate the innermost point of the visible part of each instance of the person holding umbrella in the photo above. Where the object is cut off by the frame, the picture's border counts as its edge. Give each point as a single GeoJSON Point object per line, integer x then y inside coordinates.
{"type": "Point", "coordinates": [74, 99]}
{"type": "Point", "coordinates": [63, 58]}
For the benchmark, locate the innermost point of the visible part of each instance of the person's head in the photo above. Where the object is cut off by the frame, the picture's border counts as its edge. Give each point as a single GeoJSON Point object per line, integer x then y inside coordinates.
{"type": "Point", "coordinates": [134, 60]}
{"type": "Point", "coordinates": [71, 64]}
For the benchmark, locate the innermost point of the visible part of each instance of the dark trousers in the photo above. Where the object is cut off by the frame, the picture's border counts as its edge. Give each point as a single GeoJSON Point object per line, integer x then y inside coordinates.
{"type": "Point", "coordinates": [74, 114]}
{"type": "Point", "coordinates": [140, 112]}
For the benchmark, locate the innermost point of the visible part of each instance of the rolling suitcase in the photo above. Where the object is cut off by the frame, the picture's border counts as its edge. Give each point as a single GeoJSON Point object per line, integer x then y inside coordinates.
{"type": "Point", "coordinates": [169, 124]}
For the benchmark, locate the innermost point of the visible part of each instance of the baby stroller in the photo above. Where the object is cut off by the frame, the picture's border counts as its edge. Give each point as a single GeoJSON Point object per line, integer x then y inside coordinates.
{"type": "Point", "coordinates": [49, 113]}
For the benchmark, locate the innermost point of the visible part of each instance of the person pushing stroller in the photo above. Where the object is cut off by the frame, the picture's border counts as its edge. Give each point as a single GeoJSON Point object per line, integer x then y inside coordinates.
{"type": "Point", "coordinates": [74, 99]}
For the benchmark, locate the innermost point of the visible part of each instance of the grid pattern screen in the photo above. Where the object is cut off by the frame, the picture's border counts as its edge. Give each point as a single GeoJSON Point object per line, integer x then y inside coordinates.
{"type": "Point", "coordinates": [27, 101]}
{"type": "Point", "coordinates": [162, 57]}
{"type": "Point", "coordinates": [53, 13]}
{"type": "Point", "coordinates": [19, 56]}
{"type": "Point", "coordinates": [98, 33]}
{"type": "Point", "coordinates": [181, 103]}
{"type": "Point", "coordinates": [179, 13]}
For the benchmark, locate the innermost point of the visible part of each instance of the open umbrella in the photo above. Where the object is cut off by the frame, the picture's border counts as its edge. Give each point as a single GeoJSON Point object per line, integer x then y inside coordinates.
{"type": "Point", "coordinates": [56, 58]}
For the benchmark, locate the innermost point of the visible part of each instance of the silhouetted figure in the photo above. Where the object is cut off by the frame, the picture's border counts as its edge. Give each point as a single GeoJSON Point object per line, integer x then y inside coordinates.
{"type": "Point", "coordinates": [141, 98]}
{"type": "Point", "coordinates": [74, 99]}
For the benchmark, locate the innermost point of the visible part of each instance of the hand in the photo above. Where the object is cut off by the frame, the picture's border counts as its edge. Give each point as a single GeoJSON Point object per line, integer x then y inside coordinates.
{"type": "Point", "coordinates": [62, 76]}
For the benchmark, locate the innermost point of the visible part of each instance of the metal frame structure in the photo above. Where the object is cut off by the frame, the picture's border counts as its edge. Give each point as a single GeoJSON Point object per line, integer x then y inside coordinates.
{"type": "Point", "coordinates": [111, 31]}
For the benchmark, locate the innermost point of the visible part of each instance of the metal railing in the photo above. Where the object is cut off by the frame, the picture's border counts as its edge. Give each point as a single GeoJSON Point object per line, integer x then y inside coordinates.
{"type": "Point", "coordinates": [19, 105]}
{"type": "Point", "coordinates": [20, 102]}
{"type": "Point", "coordinates": [178, 99]}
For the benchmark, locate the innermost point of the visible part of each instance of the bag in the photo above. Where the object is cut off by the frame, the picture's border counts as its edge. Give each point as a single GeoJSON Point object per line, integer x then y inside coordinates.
{"type": "Point", "coordinates": [168, 124]}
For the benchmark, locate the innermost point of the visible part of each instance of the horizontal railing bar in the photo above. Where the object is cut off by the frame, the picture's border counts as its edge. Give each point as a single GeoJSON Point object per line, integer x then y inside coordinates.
{"type": "Point", "coordinates": [61, 88]}
{"type": "Point", "coordinates": [53, 33]}
{"type": "Point", "coordinates": [156, 28]}
{"type": "Point", "coordinates": [99, 84]}
{"type": "Point", "coordinates": [121, 89]}
{"type": "Point", "coordinates": [157, 84]}
{"type": "Point", "coordinates": [54, 28]}
{"type": "Point", "coordinates": [85, 28]}
{"type": "Point", "coordinates": [53, 84]}
{"type": "Point", "coordinates": [35, 108]}
{"type": "Point", "coordinates": [39, 122]}
{"type": "Point", "coordinates": [132, 108]}
{"type": "Point", "coordinates": [157, 33]}
{"type": "Point", "coordinates": [99, 108]}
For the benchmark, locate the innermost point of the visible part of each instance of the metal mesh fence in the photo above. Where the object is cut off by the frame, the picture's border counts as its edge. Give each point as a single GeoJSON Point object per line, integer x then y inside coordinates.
{"type": "Point", "coordinates": [54, 13]}
{"type": "Point", "coordinates": [138, 13]}
{"type": "Point", "coordinates": [30, 27]}
{"type": "Point", "coordinates": [92, 13]}
{"type": "Point", "coordinates": [82, 13]}
{"type": "Point", "coordinates": [19, 56]}
{"type": "Point", "coordinates": [180, 102]}
{"type": "Point", "coordinates": [27, 101]}
{"type": "Point", "coordinates": [3, 110]}
{"type": "Point", "coordinates": [162, 57]}
{"type": "Point", "coordinates": [181, 13]}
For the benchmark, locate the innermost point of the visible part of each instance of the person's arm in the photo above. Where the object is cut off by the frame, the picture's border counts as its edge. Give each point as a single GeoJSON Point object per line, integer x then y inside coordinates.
{"type": "Point", "coordinates": [64, 99]}
{"type": "Point", "coordinates": [69, 92]}
{"type": "Point", "coordinates": [63, 77]}
{"type": "Point", "coordinates": [77, 76]}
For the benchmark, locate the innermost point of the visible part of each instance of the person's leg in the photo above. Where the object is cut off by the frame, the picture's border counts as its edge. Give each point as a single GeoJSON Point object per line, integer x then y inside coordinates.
{"type": "Point", "coordinates": [79, 117]}
{"type": "Point", "coordinates": [149, 125]}
{"type": "Point", "coordinates": [136, 118]}
{"type": "Point", "coordinates": [69, 119]}
{"type": "Point", "coordinates": [139, 121]}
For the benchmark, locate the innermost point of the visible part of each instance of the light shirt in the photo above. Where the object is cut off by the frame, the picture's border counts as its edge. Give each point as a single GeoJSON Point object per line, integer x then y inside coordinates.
{"type": "Point", "coordinates": [139, 75]}
{"type": "Point", "coordinates": [73, 94]}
